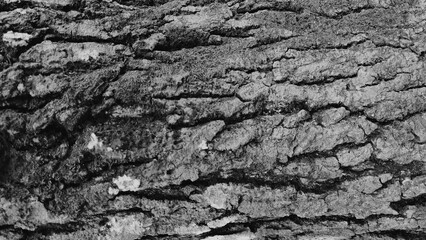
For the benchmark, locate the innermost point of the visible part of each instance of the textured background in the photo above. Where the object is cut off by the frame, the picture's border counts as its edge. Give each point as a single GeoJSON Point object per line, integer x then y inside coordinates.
{"type": "Point", "coordinates": [201, 119]}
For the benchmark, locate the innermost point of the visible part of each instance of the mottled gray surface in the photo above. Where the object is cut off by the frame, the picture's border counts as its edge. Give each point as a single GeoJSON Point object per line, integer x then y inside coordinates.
{"type": "Point", "coordinates": [216, 120]}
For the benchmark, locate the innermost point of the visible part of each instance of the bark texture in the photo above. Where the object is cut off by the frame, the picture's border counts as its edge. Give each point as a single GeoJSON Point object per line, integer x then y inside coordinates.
{"type": "Point", "coordinates": [215, 120]}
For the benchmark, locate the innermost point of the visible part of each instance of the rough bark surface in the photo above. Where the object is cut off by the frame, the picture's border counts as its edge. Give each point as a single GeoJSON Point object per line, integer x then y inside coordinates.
{"type": "Point", "coordinates": [202, 119]}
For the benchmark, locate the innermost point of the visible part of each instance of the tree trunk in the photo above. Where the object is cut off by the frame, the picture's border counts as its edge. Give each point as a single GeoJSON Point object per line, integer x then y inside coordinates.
{"type": "Point", "coordinates": [202, 119]}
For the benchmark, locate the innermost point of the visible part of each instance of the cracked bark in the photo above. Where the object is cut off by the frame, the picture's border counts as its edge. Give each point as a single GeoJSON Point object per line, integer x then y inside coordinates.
{"type": "Point", "coordinates": [202, 119]}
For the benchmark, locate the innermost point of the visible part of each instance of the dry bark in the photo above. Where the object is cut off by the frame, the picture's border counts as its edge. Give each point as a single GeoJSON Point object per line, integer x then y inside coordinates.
{"type": "Point", "coordinates": [202, 119]}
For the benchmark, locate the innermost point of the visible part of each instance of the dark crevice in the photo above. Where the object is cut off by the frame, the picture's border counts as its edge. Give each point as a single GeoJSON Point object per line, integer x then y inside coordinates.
{"type": "Point", "coordinates": [206, 2]}
{"type": "Point", "coordinates": [229, 229]}
{"type": "Point", "coordinates": [164, 236]}
{"type": "Point", "coordinates": [265, 68]}
{"type": "Point", "coordinates": [348, 12]}
{"type": "Point", "coordinates": [323, 81]}
{"type": "Point", "coordinates": [170, 193]}
{"type": "Point", "coordinates": [143, 3]}
{"type": "Point", "coordinates": [14, 52]}
{"type": "Point", "coordinates": [124, 40]}
{"type": "Point", "coordinates": [52, 228]}
{"type": "Point", "coordinates": [401, 234]}
{"type": "Point", "coordinates": [248, 177]}
{"type": "Point", "coordinates": [189, 95]}
{"type": "Point", "coordinates": [31, 4]}
{"type": "Point", "coordinates": [128, 211]}
{"type": "Point", "coordinates": [414, 168]}
{"type": "Point", "coordinates": [402, 204]}
{"type": "Point", "coordinates": [28, 104]}
{"type": "Point", "coordinates": [6, 227]}
{"type": "Point", "coordinates": [329, 47]}
{"type": "Point", "coordinates": [4, 7]}
{"type": "Point", "coordinates": [278, 6]}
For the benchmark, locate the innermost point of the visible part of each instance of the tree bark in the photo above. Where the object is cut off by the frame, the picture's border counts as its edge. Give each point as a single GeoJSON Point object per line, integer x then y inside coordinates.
{"type": "Point", "coordinates": [202, 119]}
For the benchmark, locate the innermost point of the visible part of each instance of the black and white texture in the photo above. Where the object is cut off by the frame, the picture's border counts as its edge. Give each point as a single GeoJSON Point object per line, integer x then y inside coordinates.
{"type": "Point", "coordinates": [215, 120]}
